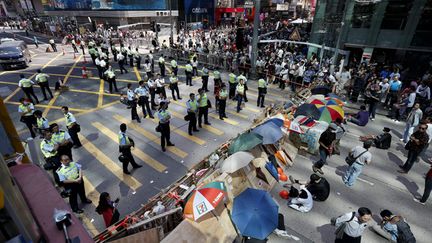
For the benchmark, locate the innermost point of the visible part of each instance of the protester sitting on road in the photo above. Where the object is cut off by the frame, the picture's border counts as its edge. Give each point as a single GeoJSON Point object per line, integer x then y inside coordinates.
{"type": "Point", "coordinates": [361, 118]}
{"type": "Point", "coordinates": [382, 141]}
{"type": "Point", "coordinates": [394, 228]}
{"type": "Point", "coordinates": [318, 186]}
{"type": "Point", "coordinates": [300, 200]}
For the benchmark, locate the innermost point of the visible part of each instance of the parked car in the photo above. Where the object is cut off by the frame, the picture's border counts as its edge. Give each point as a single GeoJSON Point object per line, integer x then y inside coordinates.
{"type": "Point", "coordinates": [14, 54]}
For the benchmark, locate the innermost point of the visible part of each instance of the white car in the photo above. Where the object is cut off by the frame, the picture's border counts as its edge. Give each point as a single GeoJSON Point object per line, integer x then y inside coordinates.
{"type": "Point", "coordinates": [3, 40]}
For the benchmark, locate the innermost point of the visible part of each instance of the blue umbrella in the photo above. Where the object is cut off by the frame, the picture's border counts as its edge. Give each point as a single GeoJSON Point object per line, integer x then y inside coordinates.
{"type": "Point", "coordinates": [255, 213]}
{"type": "Point", "coordinates": [272, 170]}
{"type": "Point", "coordinates": [270, 132]}
{"type": "Point", "coordinates": [277, 121]}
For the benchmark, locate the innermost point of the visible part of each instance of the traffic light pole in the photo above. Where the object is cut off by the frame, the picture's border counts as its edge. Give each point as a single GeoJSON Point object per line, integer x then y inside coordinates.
{"type": "Point", "coordinates": [255, 37]}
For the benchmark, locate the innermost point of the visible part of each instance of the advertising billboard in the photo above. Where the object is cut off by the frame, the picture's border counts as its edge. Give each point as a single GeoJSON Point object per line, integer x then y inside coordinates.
{"type": "Point", "coordinates": [197, 10]}
{"type": "Point", "coordinates": [104, 4]}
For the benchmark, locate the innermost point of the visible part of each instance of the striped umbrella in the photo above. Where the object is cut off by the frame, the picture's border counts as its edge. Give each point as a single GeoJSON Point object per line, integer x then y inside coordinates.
{"type": "Point", "coordinates": [204, 200]}
{"type": "Point", "coordinates": [330, 113]}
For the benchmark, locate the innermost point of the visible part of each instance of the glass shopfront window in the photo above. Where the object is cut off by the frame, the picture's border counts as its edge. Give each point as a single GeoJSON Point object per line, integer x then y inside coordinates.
{"type": "Point", "coordinates": [362, 15]}
{"type": "Point", "coordinates": [396, 14]}
{"type": "Point", "coordinates": [423, 34]}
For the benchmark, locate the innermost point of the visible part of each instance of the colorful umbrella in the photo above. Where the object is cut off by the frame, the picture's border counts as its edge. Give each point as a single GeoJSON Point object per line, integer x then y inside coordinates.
{"type": "Point", "coordinates": [330, 113]}
{"type": "Point", "coordinates": [334, 101]}
{"type": "Point", "coordinates": [308, 110]}
{"type": "Point", "coordinates": [255, 213]}
{"type": "Point", "coordinates": [244, 142]}
{"type": "Point", "coordinates": [204, 199]}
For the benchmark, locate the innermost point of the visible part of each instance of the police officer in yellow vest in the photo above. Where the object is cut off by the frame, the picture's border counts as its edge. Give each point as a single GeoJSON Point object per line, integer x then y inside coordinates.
{"type": "Point", "coordinates": [26, 110]}
{"type": "Point", "coordinates": [72, 126]}
{"type": "Point", "coordinates": [232, 85]}
{"type": "Point", "coordinates": [42, 80]}
{"type": "Point", "coordinates": [174, 86]}
{"type": "Point", "coordinates": [217, 81]}
{"type": "Point", "coordinates": [174, 66]}
{"type": "Point", "coordinates": [49, 150]}
{"type": "Point", "coordinates": [42, 124]}
{"type": "Point", "coordinates": [164, 125]}
{"type": "Point", "coordinates": [188, 72]}
{"type": "Point", "coordinates": [162, 66]}
{"type": "Point", "coordinates": [192, 112]}
{"type": "Point", "coordinates": [202, 107]}
{"type": "Point", "coordinates": [111, 79]}
{"type": "Point", "coordinates": [242, 77]}
{"type": "Point", "coordinates": [205, 77]}
{"type": "Point", "coordinates": [70, 174]}
{"type": "Point", "coordinates": [27, 87]}
{"type": "Point", "coordinates": [63, 140]}
{"type": "Point", "coordinates": [222, 97]}
{"type": "Point", "coordinates": [262, 91]}
{"type": "Point", "coordinates": [125, 144]}
{"type": "Point", "coordinates": [240, 91]}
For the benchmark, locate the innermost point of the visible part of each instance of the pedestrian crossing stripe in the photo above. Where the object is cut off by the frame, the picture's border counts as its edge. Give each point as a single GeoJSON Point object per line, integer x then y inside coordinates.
{"type": "Point", "coordinates": [269, 92]}
{"type": "Point", "coordinates": [136, 152]}
{"type": "Point", "coordinates": [266, 97]}
{"type": "Point", "coordinates": [138, 75]}
{"type": "Point", "coordinates": [101, 93]}
{"type": "Point", "coordinates": [234, 103]}
{"type": "Point", "coordinates": [208, 128]}
{"type": "Point", "coordinates": [229, 121]}
{"type": "Point", "coordinates": [89, 226]}
{"type": "Point", "coordinates": [180, 153]}
{"type": "Point", "coordinates": [109, 164]}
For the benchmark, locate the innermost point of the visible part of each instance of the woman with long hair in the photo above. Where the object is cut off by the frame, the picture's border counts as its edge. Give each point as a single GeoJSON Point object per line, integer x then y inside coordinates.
{"type": "Point", "coordinates": [107, 209]}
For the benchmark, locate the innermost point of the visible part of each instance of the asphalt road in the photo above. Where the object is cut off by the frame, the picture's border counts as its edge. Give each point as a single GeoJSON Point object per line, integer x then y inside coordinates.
{"type": "Point", "coordinates": [100, 114]}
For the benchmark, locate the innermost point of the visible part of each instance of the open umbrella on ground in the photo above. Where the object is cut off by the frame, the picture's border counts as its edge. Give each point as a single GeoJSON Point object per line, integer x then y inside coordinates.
{"type": "Point", "coordinates": [270, 132]}
{"type": "Point", "coordinates": [334, 101]}
{"type": "Point", "coordinates": [244, 142]}
{"type": "Point", "coordinates": [330, 113]}
{"type": "Point", "coordinates": [277, 121]}
{"type": "Point", "coordinates": [204, 199]}
{"type": "Point", "coordinates": [255, 213]}
{"type": "Point", "coordinates": [236, 161]}
{"type": "Point", "coordinates": [321, 90]}
{"type": "Point", "coordinates": [308, 110]}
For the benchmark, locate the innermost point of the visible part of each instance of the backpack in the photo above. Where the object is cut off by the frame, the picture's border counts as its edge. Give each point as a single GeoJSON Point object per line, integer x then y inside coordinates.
{"type": "Point", "coordinates": [404, 232]}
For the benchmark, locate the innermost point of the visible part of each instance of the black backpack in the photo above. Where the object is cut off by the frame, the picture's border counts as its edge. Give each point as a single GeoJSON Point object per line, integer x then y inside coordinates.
{"type": "Point", "coordinates": [404, 232]}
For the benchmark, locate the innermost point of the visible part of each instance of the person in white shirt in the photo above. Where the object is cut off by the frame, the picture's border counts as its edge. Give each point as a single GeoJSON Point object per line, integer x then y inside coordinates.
{"type": "Point", "coordinates": [384, 88]}
{"type": "Point", "coordinates": [362, 157]}
{"type": "Point", "coordinates": [160, 85]}
{"type": "Point", "coordinates": [355, 224]}
{"type": "Point", "coordinates": [301, 200]}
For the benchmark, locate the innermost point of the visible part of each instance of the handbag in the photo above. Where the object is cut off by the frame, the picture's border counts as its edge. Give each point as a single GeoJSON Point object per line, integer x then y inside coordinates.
{"type": "Point", "coordinates": [350, 159]}
{"type": "Point", "coordinates": [158, 129]}
{"type": "Point", "coordinates": [187, 118]}
{"type": "Point", "coordinates": [77, 127]}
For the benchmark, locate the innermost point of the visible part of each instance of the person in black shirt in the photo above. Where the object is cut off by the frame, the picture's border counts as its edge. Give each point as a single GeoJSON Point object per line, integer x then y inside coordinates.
{"type": "Point", "coordinates": [327, 141]}
{"type": "Point", "coordinates": [382, 141]}
{"type": "Point", "coordinates": [318, 186]}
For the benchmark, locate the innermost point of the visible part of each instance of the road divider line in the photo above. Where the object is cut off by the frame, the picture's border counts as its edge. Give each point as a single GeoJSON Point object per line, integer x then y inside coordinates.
{"type": "Point", "coordinates": [101, 93]}
{"type": "Point", "coordinates": [137, 152]}
{"type": "Point", "coordinates": [138, 75]}
{"type": "Point", "coordinates": [53, 100]}
{"type": "Point", "coordinates": [109, 164]}
{"type": "Point", "coordinates": [45, 106]}
{"type": "Point", "coordinates": [180, 153]}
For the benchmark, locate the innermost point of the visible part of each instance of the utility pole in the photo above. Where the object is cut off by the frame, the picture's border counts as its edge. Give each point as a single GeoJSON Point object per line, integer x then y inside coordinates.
{"type": "Point", "coordinates": [255, 36]}
{"type": "Point", "coordinates": [171, 23]}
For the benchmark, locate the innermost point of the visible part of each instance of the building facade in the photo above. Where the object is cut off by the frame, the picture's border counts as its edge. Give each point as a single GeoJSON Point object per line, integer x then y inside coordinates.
{"type": "Point", "coordinates": [387, 31]}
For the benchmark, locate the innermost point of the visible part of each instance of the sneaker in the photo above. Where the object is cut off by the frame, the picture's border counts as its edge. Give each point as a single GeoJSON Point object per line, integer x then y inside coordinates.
{"type": "Point", "coordinates": [372, 119]}
{"type": "Point", "coordinates": [315, 169]}
{"type": "Point", "coordinates": [417, 200]}
{"type": "Point", "coordinates": [401, 139]}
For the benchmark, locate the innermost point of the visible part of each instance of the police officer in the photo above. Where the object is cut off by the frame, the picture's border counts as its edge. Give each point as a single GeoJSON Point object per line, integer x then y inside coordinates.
{"type": "Point", "coordinates": [174, 86]}
{"type": "Point", "coordinates": [164, 125]}
{"type": "Point", "coordinates": [188, 72]}
{"type": "Point", "coordinates": [232, 85]}
{"type": "Point", "coordinates": [70, 174]}
{"type": "Point", "coordinates": [72, 126]}
{"type": "Point", "coordinates": [205, 77]}
{"type": "Point", "coordinates": [42, 80]}
{"type": "Point", "coordinates": [202, 107]}
{"type": "Point", "coordinates": [162, 66]}
{"type": "Point", "coordinates": [27, 86]}
{"type": "Point", "coordinates": [174, 66]}
{"type": "Point", "coordinates": [93, 53]}
{"type": "Point", "coordinates": [240, 91]}
{"type": "Point", "coordinates": [114, 51]}
{"type": "Point", "coordinates": [137, 58]}
{"type": "Point", "coordinates": [160, 85]}
{"type": "Point", "coordinates": [49, 150]}
{"type": "Point", "coordinates": [152, 88]}
{"type": "Point", "coordinates": [143, 94]}
{"type": "Point", "coordinates": [26, 110]}
{"type": "Point", "coordinates": [42, 124]}
{"type": "Point", "coordinates": [131, 56]}
{"type": "Point", "coordinates": [262, 91]}
{"type": "Point", "coordinates": [63, 140]}
{"type": "Point", "coordinates": [192, 110]}
{"type": "Point", "coordinates": [111, 79]}
{"type": "Point", "coordinates": [125, 144]}
{"type": "Point", "coordinates": [124, 53]}
{"type": "Point", "coordinates": [222, 97]}
{"type": "Point", "coordinates": [121, 62]}
{"type": "Point", "coordinates": [194, 66]}
{"type": "Point", "coordinates": [99, 67]}
{"type": "Point", "coordinates": [147, 68]}
{"type": "Point", "coordinates": [217, 81]}
{"type": "Point", "coordinates": [242, 77]}
{"type": "Point", "coordinates": [132, 103]}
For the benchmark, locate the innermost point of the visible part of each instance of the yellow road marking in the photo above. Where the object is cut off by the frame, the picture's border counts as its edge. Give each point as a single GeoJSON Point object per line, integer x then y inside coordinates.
{"type": "Point", "coordinates": [180, 153]}
{"type": "Point", "coordinates": [91, 92]}
{"type": "Point", "coordinates": [180, 132]}
{"type": "Point", "coordinates": [53, 100]}
{"type": "Point", "coordinates": [52, 60]}
{"type": "Point", "coordinates": [268, 92]}
{"type": "Point", "coordinates": [206, 127]}
{"type": "Point", "coordinates": [12, 94]}
{"type": "Point", "coordinates": [226, 120]}
{"type": "Point", "coordinates": [256, 95]}
{"type": "Point", "coordinates": [90, 227]}
{"type": "Point", "coordinates": [137, 152]}
{"type": "Point", "coordinates": [138, 75]}
{"type": "Point", "coordinates": [101, 93]}
{"type": "Point", "coordinates": [93, 195]}
{"type": "Point", "coordinates": [109, 164]}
